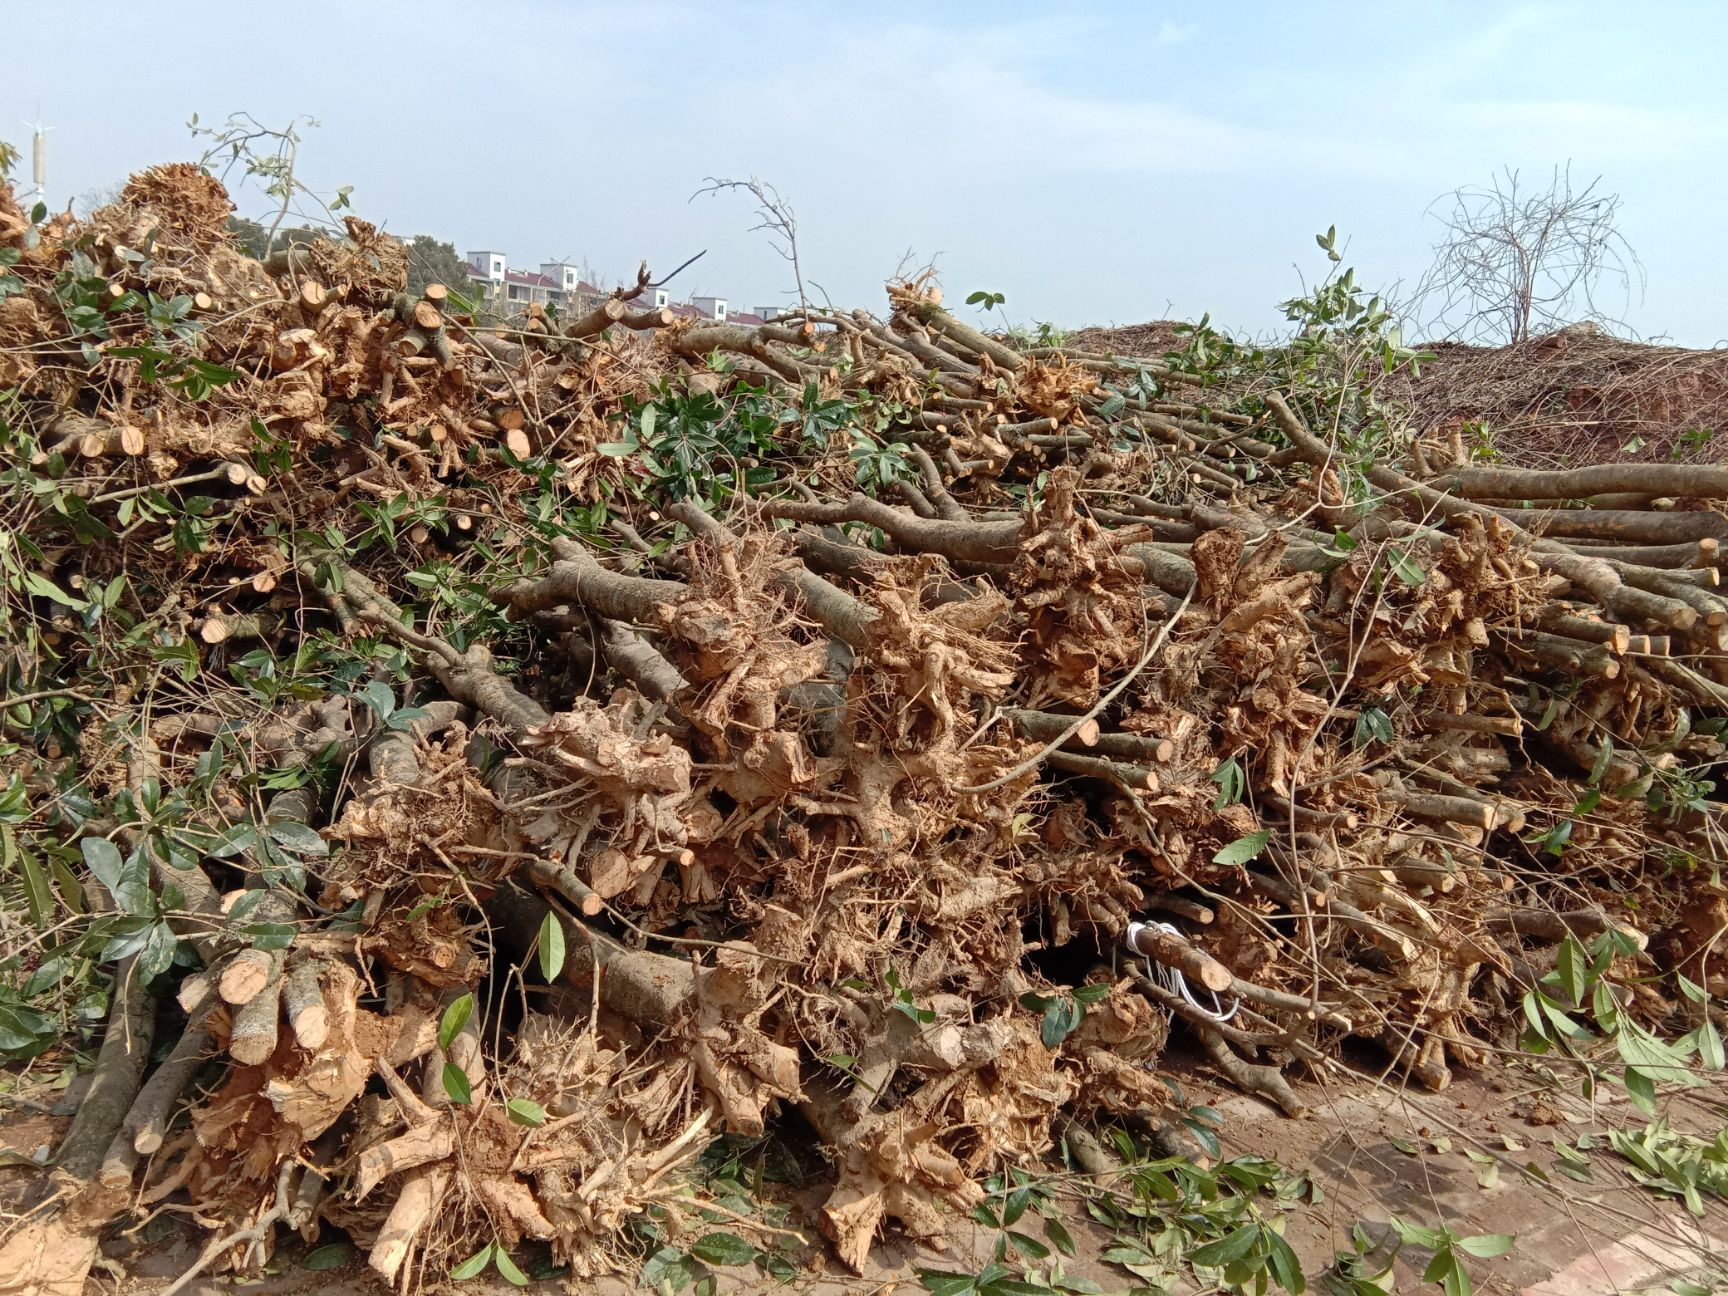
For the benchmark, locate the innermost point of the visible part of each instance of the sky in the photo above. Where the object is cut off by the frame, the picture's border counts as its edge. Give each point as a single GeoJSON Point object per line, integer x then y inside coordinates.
{"type": "Point", "coordinates": [1095, 163]}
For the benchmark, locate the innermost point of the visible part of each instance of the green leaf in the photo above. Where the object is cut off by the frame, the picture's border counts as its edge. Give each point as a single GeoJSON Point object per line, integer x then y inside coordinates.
{"type": "Point", "coordinates": [1641, 1089]}
{"type": "Point", "coordinates": [1372, 725]}
{"type": "Point", "coordinates": [1091, 994]}
{"type": "Point", "coordinates": [157, 956]}
{"type": "Point", "coordinates": [723, 1249]}
{"type": "Point", "coordinates": [1445, 1270]}
{"type": "Point", "coordinates": [1573, 965]}
{"type": "Point", "coordinates": [379, 696]}
{"type": "Point", "coordinates": [1560, 1020]}
{"type": "Point", "coordinates": [1639, 1048]}
{"type": "Point", "coordinates": [1416, 1235]}
{"type": "Point", "coordinates": [71, 889]}
{"type": "Point", "coordinates": [1059, 1236]}
{"type": "Point", "coordinates": [269, 936]}
{"type": "Point", "coordinates": [1486, 1246]}
{"type": "Point", "coordinates": [523, 1112]}
{"type": "Point", "coordinates": [37, 893]}
{"type": "Point", "coordinates": [1030, 1246]}
{"type": "Point", "coordinates": [473, 1264]}
{"type": "Point", "coordinates": [1231, 781]}
{"type": "Point", "coordinates": [44, 588]}
{"type": "Point", "coordinates": [1604, 759]}
{"type": "Point", "coordinates": [456, 1084]}
{"type": "Point", "coordinates": [507, 1267]}
{"type": "Point", "coordinates": [939, 1283]}
{"type": "Point", "coordinates": [297, 838]}
{"type": "Point", "coordinates": [1710, 1051]}
{"type": "Point", "coordinates": [1223, 1251]}
{"type": "Point", "coordinates": [668, 1270]}
{"type": "Point", "coordinates": [1060, 1019]}
{"type": "Point", "coordinates": [1286, 1267]}
{"type": "Point", "coordinates": [334, 1256]}
{"type": "Point", "coordinates": [402, 721]}
{"type": "Point", "coordinates": [24, 1031]}
{"type": "Point", "coordinates": [1603, 1005]}
{"type": "Point", "coordinates": [1406, 568]}
{"type": "Point", "coordinates": [127, 880]}
{"type": "Point", "coordinates": [551, 946]}
{"type": "Point", "coordinates": [103, 857]}
{"type": "Point", "coordinates": [1243, 849]}
{"type": "Point", "coordinates": [235, 839]}
{"type": "Point", "coordinates": [455, 1018]}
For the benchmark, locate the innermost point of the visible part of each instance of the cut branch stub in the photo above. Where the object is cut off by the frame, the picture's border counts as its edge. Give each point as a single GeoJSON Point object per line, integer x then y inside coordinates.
{"type": "Point", "coordinates": [1173, 951]}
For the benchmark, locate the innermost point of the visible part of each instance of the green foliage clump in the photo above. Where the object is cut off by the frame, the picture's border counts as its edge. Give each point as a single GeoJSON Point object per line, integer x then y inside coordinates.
{"type": "Point", "coordinates": [431, 261]}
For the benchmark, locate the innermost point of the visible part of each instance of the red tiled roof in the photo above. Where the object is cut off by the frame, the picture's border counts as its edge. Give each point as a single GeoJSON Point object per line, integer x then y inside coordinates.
{"type": "Point", "coordinates": [743, 317]}
{"type": "Point", "coordinates": [531, 277]}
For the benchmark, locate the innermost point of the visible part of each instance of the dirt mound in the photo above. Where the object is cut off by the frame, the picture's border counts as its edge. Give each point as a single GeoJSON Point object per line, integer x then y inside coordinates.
{"type": "Point", "coordinates": [1574, 397]}
{"type": "Point", "coordinates": [1150, 341]}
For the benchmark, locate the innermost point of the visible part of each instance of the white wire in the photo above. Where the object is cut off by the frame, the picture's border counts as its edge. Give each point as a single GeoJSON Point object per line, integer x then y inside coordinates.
{"type": "Point", "coordinates": [1173, 980]}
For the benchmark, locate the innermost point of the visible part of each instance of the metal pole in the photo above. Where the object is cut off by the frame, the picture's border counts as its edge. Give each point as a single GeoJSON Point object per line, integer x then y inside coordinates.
{"type": "Point", "coordinates": [39, 164]}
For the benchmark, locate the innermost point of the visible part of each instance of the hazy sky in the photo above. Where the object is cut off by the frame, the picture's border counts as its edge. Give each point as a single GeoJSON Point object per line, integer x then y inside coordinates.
{"type": "Point", "coordinates": [1095, 162]}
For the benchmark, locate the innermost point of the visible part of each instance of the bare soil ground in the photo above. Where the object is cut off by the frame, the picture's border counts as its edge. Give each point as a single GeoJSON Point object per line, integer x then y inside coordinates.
{"type": "Point", "coordinates": [1479, 1158]}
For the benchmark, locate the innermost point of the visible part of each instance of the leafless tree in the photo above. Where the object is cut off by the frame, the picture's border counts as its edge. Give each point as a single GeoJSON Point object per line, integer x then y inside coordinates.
{"type": "Point", "coordinates": [101, 196]}
{"type": "Point", "coordinates": [775, 218]}
{"type": "Point", "coordinates": [1514, 261]}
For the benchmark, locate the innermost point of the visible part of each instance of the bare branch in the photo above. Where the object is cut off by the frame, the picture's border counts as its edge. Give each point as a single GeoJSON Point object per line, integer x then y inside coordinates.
{"type": "Point", "coordinates": [1512, 263]}
{"type": "Point", "coordinates": [776, 219]}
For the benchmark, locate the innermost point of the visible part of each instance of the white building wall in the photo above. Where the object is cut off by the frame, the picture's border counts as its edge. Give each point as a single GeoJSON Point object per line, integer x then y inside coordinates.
{"type": "Point", "coordinates": [489, 265]}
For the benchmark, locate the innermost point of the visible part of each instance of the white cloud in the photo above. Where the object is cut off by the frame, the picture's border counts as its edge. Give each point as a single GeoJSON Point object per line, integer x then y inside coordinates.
{"type": "Point", "coordinates": [1174, 33]}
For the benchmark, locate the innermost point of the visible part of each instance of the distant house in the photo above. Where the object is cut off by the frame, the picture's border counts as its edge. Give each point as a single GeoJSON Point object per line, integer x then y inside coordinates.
{"type": "Point", "coordinates": [555, 283]}
{"type": "Point", "coordinates": [560, 284]}
{"type": "Point", "coordinates": [487, 267]}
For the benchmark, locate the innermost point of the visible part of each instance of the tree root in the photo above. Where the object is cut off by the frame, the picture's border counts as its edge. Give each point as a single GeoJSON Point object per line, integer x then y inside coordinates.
{"type": "Point", "coordinates": [1266, 1082]}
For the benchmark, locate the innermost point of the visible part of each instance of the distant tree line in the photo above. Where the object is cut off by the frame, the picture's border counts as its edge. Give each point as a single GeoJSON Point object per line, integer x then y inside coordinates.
{"type": "Point", "coordinates": [430, 260]}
